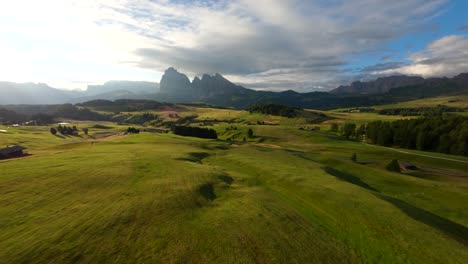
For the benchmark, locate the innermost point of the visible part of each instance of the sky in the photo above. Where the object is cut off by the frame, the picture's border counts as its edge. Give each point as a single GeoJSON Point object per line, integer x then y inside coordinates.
{"type": "Point", "coordinates": [263, 44]}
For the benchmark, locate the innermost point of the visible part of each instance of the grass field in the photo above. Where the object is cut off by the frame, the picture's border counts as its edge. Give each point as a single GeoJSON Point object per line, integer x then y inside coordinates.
{"type": "Point", "coordinates": [286, 196]}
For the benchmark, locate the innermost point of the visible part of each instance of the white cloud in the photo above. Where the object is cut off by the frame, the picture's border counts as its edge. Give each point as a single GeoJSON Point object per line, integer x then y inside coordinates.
{"type": "Point", "coordinates": [58, 42]}
{"type": "Point", "coordinates": [447, 56]}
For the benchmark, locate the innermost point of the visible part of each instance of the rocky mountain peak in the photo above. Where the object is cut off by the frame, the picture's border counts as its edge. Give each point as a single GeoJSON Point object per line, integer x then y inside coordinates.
{"type": "Point", "coordinates": [172, 81]}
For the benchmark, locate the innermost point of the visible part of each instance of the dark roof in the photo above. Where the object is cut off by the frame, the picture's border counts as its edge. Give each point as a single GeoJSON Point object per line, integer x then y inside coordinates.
{"type": "Point", "coordinates": [407, 165]}
{"type": "Point", "coordinates": [12, 149]}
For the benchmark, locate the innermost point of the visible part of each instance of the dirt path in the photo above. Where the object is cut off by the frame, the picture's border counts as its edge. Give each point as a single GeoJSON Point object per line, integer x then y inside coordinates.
{"type": "Point", "coordinates": [415, 154]}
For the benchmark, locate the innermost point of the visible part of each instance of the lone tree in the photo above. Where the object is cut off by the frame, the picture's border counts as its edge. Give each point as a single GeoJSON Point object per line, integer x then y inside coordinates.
{"type": "Point", "coordinates": [354, 157]}
{"type": "Point", "coordinates": [53, 131]}
{"type": "Point", "coordinates": [250, 133]}
{"type": "Point", "coordinates": [334, 127]}
{"type": "Point", "coordinates": [85, 131]}
{"type": "Point", "coordinates": [394, 166]}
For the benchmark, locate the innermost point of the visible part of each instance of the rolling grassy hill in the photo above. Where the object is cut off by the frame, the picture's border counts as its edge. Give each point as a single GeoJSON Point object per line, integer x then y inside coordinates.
{"type": "Point", "coordinates": [460, 101]}
{"type": "Point", "coordinates": [284, 196]}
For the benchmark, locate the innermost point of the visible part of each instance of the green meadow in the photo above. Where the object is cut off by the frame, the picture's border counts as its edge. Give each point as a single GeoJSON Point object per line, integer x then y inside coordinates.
{"type": "Point", "coordinates": [284, 196]}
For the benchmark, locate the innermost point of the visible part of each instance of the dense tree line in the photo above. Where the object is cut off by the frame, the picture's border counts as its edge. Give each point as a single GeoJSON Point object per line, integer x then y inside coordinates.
{"type": "Point", "coordinates": [127, 105]}
{"type": "Point", "coordinates": [420, 111]}
{"type": "Point", "coordinates": [11, 117]}
{"type": "Point", "coordinates": [8, 117]}
{"type": "Point", "coordinates": [440, 134]}
{"type": "Point", "coordinates": [195, 132]}
{"type": "Point", "coordinates": [274, 109]}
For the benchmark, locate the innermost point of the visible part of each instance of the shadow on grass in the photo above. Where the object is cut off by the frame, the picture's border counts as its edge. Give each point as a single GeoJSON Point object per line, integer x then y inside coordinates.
{"type": "Point", "coordinates": [226, 179]}
{"type": "Point", "coordinates": [454, 230]}
{"type": "Point", "coordinates": [348, 178]}
{"type": "Point", "coordinates": [196, 157]}
{"type": "Point", "coordinates": [207, 191]}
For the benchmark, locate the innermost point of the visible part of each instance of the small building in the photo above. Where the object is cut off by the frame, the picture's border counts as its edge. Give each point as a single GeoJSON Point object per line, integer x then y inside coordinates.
{"type": "Point", "coordinates": [12, 152]}
{"type": "Point", "coordinates": [407, 166]}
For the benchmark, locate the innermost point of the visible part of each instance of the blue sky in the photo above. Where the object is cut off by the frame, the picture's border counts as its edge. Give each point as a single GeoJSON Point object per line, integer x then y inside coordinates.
{"type": "Point", "coordinates": [264, 44]}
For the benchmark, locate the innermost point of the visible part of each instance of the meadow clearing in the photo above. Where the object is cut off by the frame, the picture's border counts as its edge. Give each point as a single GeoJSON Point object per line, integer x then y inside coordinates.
{"type": "Point", "coordinates": [283, 196]}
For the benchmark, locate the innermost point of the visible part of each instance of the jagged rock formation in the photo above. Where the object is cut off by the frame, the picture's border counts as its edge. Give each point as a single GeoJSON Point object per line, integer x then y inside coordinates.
{"type": "Point", "coordinates": [173, 82]}
{"type": "Point", "coordinates": [178, 85]}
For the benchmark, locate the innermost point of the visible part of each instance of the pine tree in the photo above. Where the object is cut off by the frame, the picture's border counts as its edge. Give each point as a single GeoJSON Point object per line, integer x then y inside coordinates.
{"type": "Point", "coordinates": [250, 133]}
{"type": "Point", "coordinates": [393, 166]}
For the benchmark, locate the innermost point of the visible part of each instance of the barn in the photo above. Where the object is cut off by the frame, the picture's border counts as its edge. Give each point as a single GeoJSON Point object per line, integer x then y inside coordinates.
{"type": "Point", "coordinates": [12, 152]}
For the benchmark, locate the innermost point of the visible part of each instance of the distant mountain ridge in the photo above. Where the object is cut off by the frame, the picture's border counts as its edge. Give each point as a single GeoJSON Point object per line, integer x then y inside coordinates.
{"type": "Point", "coordinates": [379, 86]}
{"type": "Point", "coordinates": [384, 85]}
{"type": "Point", "coordinates": [39, 93]}
{"type": "Point", "coordinates": [136, 87]}
{"type": "Point", "coordinates": [176, 87]}
{"type": "Point", "coordinates": [32, 93]}
{"type": "Point", "coordinates": [217, 90]}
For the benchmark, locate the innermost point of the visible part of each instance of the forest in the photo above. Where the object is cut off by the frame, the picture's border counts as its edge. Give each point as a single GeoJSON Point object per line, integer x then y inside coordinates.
{"type": "Point", "coordinates": [274, 109]}
{"type": "Point", "coordinates": [195, 132]}
{"type": "Point", "coordinates": [447, 134]}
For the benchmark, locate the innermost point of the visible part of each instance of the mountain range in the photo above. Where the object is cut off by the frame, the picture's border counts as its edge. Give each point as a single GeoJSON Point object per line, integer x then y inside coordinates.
{"type": "Point", "coordinates": [40, 93]}
{"type": "Point", "coordinates": [214, 89]}
{"type": "Point", "coordinates": [379, 86]}
{"type": "Point", "coordinates": [217, 90]}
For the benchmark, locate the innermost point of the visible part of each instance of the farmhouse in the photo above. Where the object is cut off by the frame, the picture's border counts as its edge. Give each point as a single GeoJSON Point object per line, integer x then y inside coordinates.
{"type": "Point", "coordinates": [407, 166]}
{"type": "Point", "coordinates": [11, 152]}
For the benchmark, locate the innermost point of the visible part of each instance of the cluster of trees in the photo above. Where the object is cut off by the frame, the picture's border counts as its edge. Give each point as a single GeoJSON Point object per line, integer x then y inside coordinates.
{"type": "Point", "coordinates": [195, 132]}
{"type": "Point", "coordinates": [420, 111]}
{"type": "Point", "coordinates": [440, 134]}
{"type": "Point", "coordinates": [274, 109]}
{"type": "Point", "coordinates": [132, 130]}
{"type": "Point", "coordinates": [65, 130]}
{"type": "Point", "coordinates": [349, 130]}
{"type": "Point", "coordinates": [137, 119]}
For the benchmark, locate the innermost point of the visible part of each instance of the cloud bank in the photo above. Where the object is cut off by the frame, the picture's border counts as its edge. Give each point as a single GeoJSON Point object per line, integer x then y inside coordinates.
{"type": "Point", "coordinates": [447, 56]}
{"type": "Point", "coordinates": [277, 45]}
{"type": "Point", "coordinates": [264, 44]}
